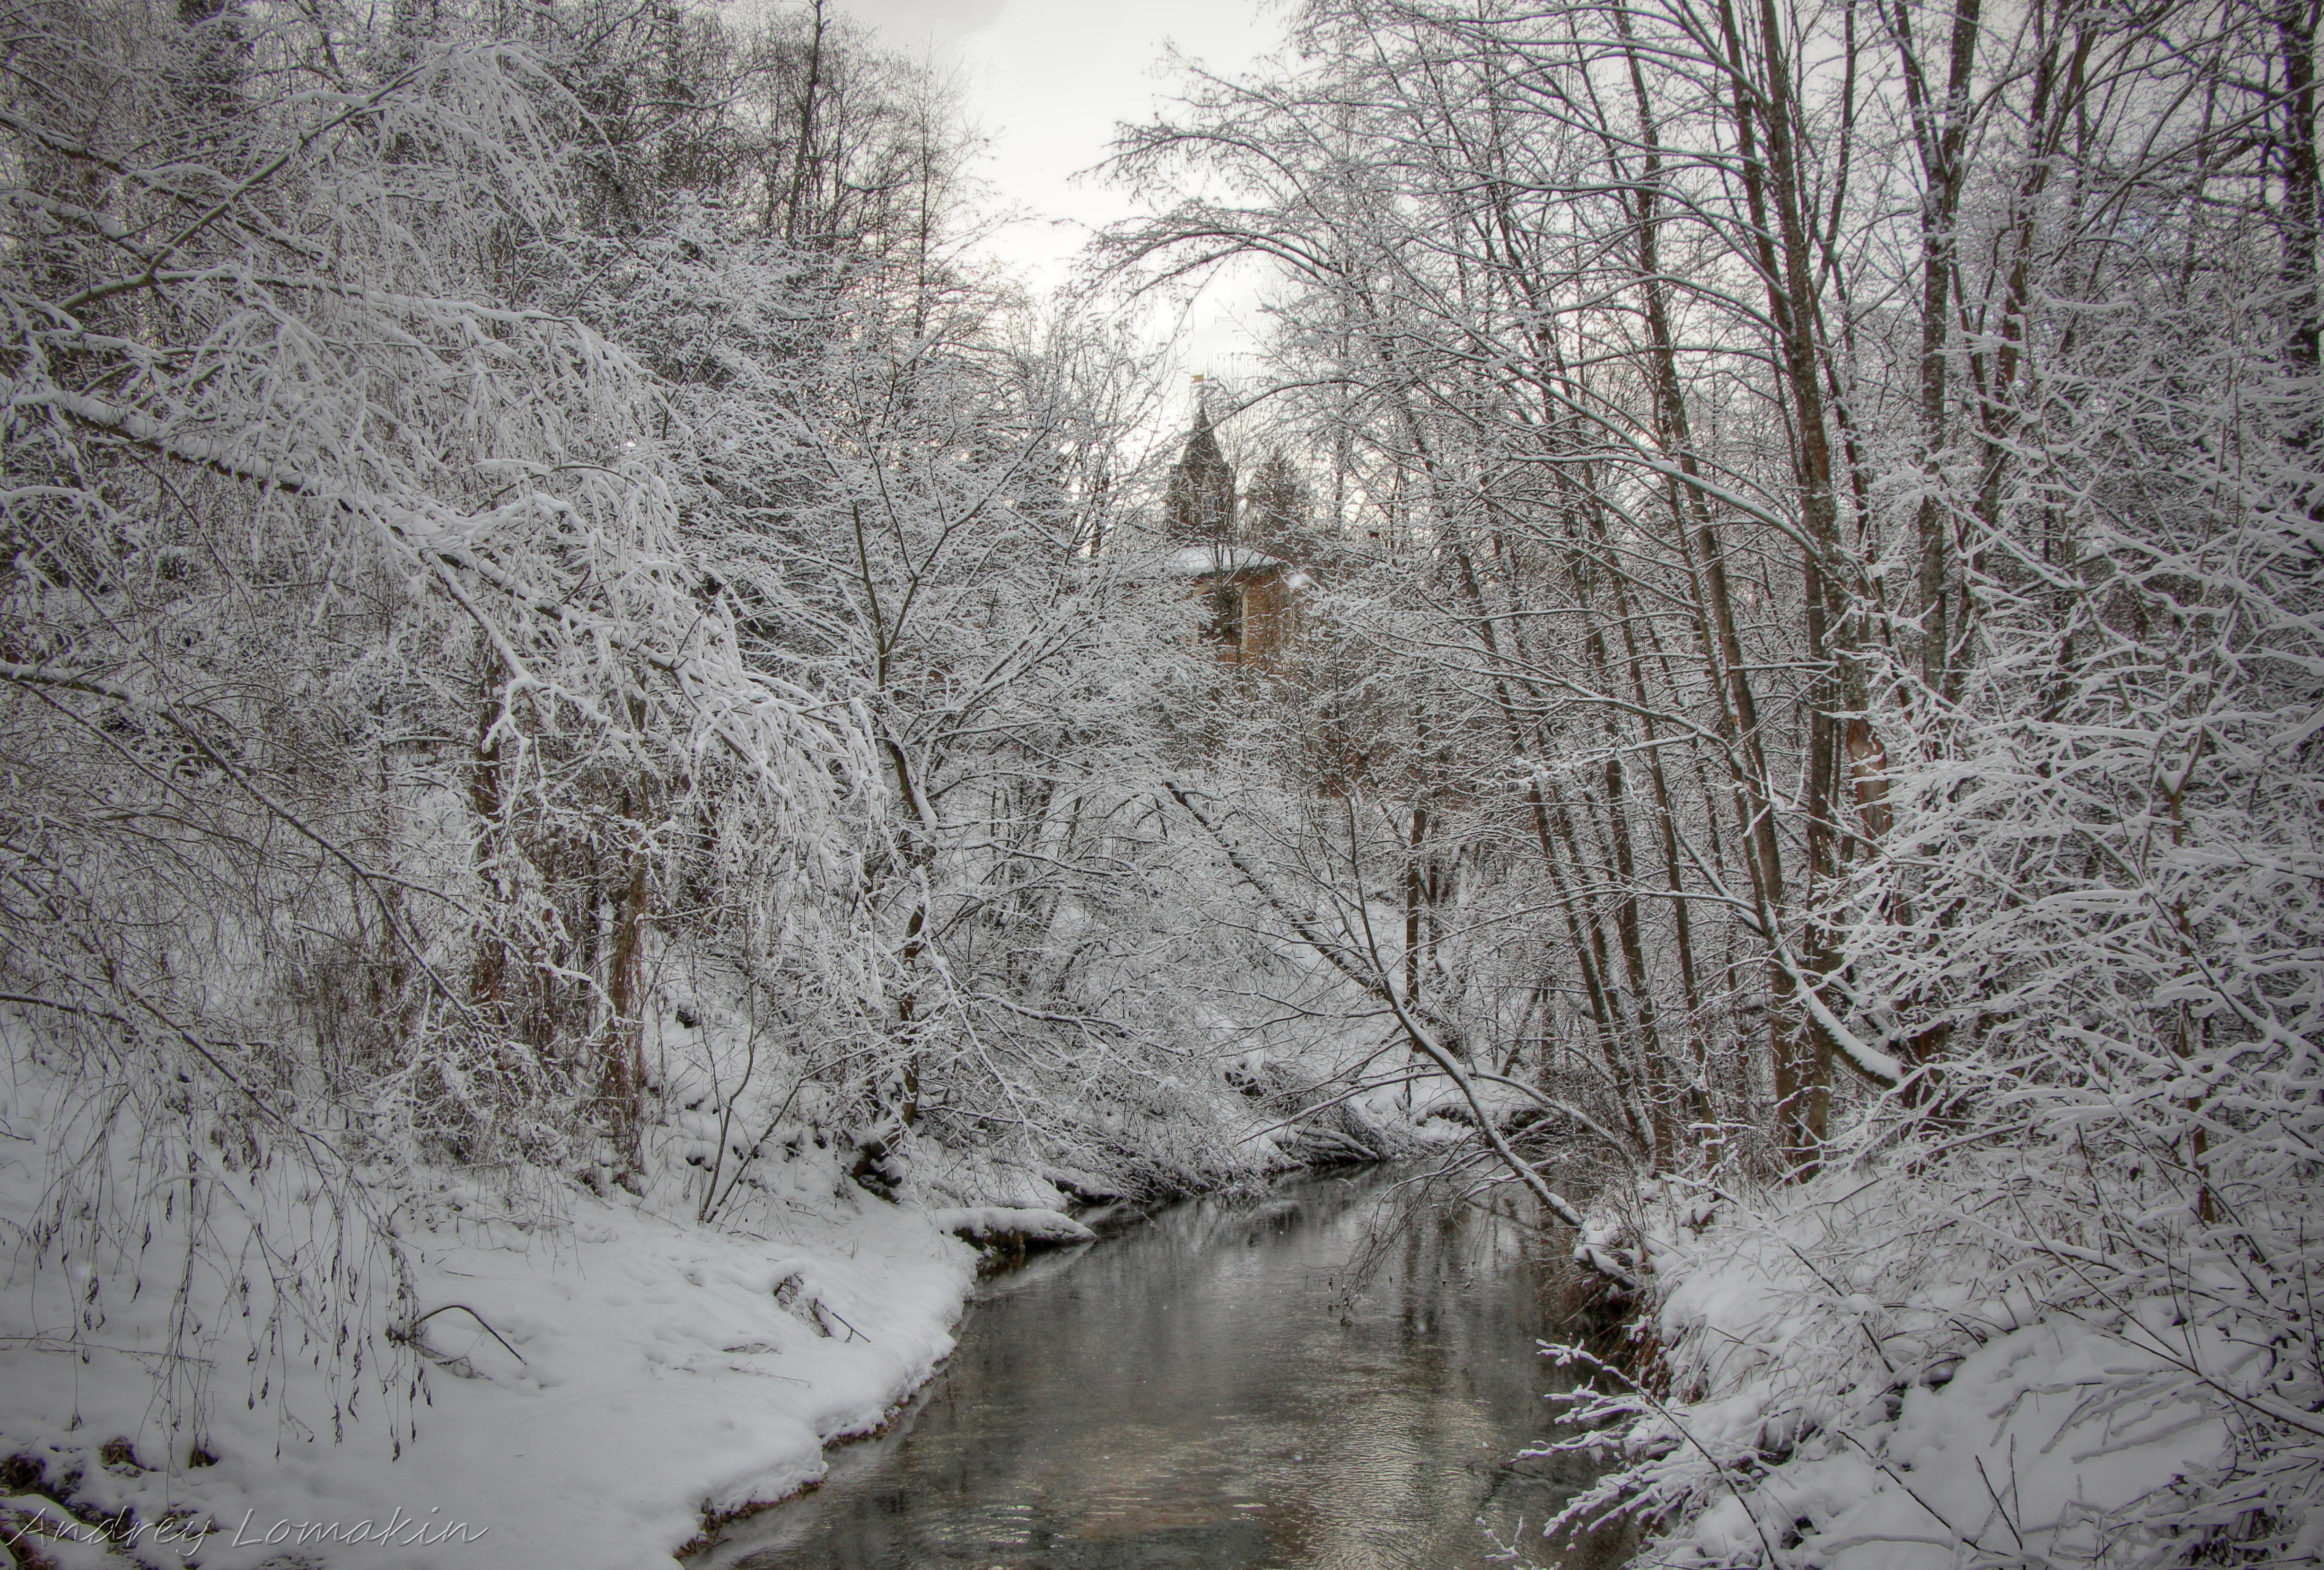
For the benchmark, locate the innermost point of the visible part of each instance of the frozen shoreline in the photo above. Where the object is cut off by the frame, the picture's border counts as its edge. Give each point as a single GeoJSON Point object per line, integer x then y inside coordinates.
{"type": "Point", "coordinates": [570, 1378]}
{"type": "Point", "coordinates": [594, 1394]}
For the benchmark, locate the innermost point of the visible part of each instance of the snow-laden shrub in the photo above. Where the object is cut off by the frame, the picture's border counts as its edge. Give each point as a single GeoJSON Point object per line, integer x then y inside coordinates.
{"type": "Point", "coordinates": [1986, 1356]}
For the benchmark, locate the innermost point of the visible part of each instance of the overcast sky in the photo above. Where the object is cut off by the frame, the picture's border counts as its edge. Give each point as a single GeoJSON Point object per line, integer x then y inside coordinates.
{"type": "Point", "coordinates": [1046, 81]}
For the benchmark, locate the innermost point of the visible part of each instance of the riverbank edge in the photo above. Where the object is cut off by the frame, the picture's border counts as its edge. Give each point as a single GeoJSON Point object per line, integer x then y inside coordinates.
{"type": "Point", "coordinates": [1824, 1356]}
{"type": "Point", "coordinates": [553, 1412]}
{"type": "Point", "coordinates": [1107, 1216]}
{"type": "Point", "coordinates": [576, 1392]}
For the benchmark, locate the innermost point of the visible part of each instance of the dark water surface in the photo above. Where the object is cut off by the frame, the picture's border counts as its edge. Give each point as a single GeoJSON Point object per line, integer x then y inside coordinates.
{"type": "Point", "coordinates": [1337, 1375]}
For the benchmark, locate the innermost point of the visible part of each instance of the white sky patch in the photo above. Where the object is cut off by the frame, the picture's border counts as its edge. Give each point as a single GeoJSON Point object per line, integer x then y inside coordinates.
{"type": "Point", "coordinates": [1047, 81]}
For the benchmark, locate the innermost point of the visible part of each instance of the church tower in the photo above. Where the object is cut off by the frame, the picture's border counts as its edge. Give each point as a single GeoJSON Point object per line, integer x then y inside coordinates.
{"type": "Point", "coordinates": [1201, 494]}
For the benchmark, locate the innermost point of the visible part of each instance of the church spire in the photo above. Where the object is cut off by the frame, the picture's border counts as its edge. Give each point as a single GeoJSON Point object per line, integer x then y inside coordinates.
{"type": "Point", "coordinates": [1202, 494]}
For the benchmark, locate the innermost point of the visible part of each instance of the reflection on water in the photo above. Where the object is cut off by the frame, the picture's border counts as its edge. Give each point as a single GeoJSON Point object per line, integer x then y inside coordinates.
{"type": "Point", "coordinates": [1334, 1377]}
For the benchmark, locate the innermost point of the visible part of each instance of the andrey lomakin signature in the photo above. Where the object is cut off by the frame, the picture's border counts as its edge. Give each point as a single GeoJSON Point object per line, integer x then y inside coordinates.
{"type": "Point", "coordinates": [398, 1530]}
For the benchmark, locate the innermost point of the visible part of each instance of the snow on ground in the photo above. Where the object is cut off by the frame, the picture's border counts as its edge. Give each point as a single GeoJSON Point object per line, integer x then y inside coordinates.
{"type": "Point", "coordinates": [1835, 1380]}
{"type": "Point", "coordinates": [594, 1383]}
{"type": "Point", "coordinates": [999, 1223]}
{"type": "Point", "coordinates": [2019, 1452]}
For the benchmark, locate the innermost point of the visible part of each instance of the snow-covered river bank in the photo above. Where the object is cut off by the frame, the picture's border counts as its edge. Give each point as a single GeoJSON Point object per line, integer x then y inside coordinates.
{"type": "Point", "coordinates": [1336, 1372]}
{"type": "Point", "coordinates": [588, 1391]}
{"type": "Point", "coordinates": [1298, 1382]}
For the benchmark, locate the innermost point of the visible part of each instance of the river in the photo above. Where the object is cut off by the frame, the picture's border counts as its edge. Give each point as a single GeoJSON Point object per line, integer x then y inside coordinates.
{"type": "Point", "coordinates": [1337, 1375]}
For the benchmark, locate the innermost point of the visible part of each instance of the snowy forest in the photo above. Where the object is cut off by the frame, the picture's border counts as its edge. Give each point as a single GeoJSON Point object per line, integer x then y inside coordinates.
{"type": "Point", "coordinates": [576, 670]}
